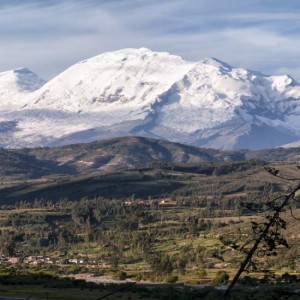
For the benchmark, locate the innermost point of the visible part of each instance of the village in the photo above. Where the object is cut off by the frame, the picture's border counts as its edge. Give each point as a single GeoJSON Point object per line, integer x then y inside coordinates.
{"type": "Point", "coordinates": [41, 260]}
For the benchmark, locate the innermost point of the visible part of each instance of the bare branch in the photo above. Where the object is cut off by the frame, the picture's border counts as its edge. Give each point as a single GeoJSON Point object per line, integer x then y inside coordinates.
{"type": "Point", "coordinates": [268, 237]}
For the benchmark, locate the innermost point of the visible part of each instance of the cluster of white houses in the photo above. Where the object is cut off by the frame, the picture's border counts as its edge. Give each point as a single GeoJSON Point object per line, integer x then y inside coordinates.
{"type": "Point", "coordinates": [36, 260]}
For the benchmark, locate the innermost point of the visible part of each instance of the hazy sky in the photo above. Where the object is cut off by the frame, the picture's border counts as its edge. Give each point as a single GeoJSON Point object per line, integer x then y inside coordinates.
{"type": "Point", "coordinates": [47, 36]}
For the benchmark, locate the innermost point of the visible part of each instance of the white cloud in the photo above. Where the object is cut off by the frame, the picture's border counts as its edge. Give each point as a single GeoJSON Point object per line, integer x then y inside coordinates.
{"type": "Point", "coordinates": [47, 39]}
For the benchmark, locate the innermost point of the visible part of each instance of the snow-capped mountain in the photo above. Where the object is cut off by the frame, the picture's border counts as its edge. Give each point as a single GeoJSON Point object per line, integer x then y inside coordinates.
{"type": "Point", "coordinates": [16, 85]}
{"type": "Point", "coordinates": [155, 94]}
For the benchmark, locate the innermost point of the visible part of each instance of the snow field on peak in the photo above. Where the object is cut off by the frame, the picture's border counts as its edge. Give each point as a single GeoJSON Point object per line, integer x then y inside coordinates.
{"type": "Point", "coordinates": [15, 87]}
{"type": "Point", "coordinates": [140, 92]}
{"type": "Point", "coordinates": [122, 79]}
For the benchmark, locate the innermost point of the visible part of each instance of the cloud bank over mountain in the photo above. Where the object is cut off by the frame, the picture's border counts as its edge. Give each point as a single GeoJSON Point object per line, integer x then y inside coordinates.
{"type": "Point", "coordinates": [48, 36]}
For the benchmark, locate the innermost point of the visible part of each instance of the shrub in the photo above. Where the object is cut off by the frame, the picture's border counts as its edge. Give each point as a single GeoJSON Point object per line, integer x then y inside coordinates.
{"type": "Point", "coordinates": [120, 275]}
{"type": "Point", "coordinates": [222, 277]}
{"type": "Point", "coordinates": [171, 279]}
{"type": "Point", "coordinates": [247, 280]}
{"type": "Point", "coordinates": [139, 277]}
{"type": "Point", "coordinates": [202, 273]}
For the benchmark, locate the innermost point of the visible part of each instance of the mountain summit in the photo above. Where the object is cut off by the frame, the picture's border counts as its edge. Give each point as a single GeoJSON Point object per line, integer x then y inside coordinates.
{"type": "Point", "coordinates": [15, 85]}
{"type": "Point", "coordinates": [154, 94]}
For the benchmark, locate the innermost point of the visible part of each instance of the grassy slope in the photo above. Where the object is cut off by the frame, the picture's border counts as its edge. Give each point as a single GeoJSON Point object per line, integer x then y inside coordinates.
{"type": "Point", "coordinates": [144, 184]}
{"type": "Point", "coordinates": [119, 154]}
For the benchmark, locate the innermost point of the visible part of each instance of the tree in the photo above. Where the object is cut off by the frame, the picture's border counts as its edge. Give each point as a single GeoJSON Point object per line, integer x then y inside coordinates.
{"type": "Point", "coordinates": [8, 247]}
{"type": "Point", "coordinates": [202, 272]}
{"type": "Point", "coordinates": [161, 264]}
{"type": "Point", "coordinates": [268, 234]}
{"type": "Point", "coordinates": [181, 263]}
{"type": "Point", "coordinates": [222, 277]}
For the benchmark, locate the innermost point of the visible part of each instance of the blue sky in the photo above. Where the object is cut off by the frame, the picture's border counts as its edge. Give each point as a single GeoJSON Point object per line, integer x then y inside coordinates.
{"type": "Point", "coordinates": [47, 36]}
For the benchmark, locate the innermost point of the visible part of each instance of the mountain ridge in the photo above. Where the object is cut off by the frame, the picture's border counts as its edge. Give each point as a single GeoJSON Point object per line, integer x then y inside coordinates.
{"type": "Point", "coordinates": [139, 92]}
{"type": "Point", "coordinates": [124, 153]}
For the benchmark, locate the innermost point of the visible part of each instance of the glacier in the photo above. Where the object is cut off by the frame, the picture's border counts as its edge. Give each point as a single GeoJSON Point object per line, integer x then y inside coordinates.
{"type": "Point", "coordinates": [139, 92]}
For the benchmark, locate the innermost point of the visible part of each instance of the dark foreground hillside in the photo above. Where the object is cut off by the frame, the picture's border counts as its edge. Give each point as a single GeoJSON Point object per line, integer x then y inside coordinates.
{"type": "Point", "coordinates": [213, 181]}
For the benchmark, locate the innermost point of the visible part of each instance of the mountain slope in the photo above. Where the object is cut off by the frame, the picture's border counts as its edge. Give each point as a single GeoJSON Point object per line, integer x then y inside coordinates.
{"type": "Point", "coordinates": [127, 78]}
{"type": "Point", "coordinates": [15, 85]}
{"type": "Point", "coordinates": [218, 106]}
{"type": "Point", "coordinates": [124, 153]}
{"type": "Point", "coordinates": [172, 168]}
{"type": "Point", "coordinates": [119, 154]}
{"type": "Point", "coordinates": [154, 94]}
{"type": "Point", "coordinates": [107, 155]}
